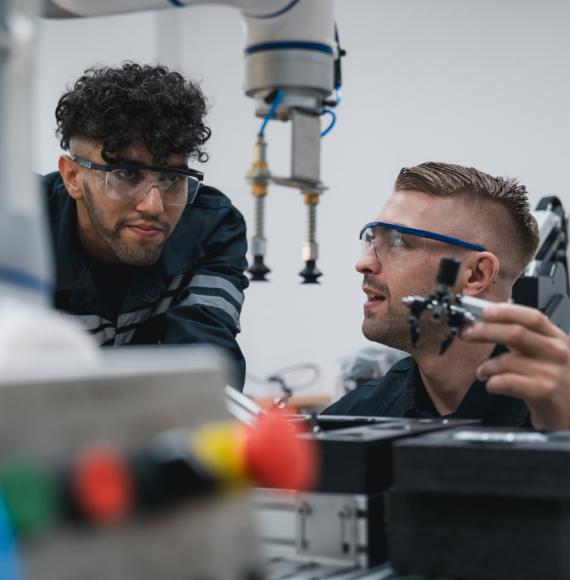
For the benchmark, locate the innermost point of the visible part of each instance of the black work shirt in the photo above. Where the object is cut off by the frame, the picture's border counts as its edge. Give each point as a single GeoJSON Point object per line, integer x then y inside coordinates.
{"type": "Point", "coordinates": [402, 393]}
{"type": "Point", "coordinates": [112, 281]}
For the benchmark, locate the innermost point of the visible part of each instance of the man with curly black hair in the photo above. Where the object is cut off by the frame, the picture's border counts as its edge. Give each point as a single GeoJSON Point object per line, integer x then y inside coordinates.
{"type": "Point", "coordinates": [145, 253]}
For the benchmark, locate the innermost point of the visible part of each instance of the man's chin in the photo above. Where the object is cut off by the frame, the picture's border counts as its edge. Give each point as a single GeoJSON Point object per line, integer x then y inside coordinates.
{"type": "Point", "coordinates": [373, 333]}
{"type": "Point", "coordinates": [399, 340]}
{"type": "Point", "coordinates": [138, 256]}
{"type": "Point", "coordinates": [141, 262]}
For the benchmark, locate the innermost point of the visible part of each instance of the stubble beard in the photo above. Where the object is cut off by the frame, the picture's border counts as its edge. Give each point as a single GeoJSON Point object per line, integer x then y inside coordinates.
{"type": "Point", "coordinates": [391, 325]}
{"type": "Point", "coordinates": [134, 255]}
{"type": "Point", "coordinates": [389, 328]}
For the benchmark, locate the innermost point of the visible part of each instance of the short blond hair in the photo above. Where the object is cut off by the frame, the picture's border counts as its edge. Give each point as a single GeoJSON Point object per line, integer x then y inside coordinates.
{"type": "Point", "coordinates": [449, 180]}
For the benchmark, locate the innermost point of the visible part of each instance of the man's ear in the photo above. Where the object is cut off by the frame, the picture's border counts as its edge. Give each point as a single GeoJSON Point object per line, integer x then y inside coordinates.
{"type": "Point", "coordinates": [479, 273]}
{"type": "Point", "coordinates": [70, 173]}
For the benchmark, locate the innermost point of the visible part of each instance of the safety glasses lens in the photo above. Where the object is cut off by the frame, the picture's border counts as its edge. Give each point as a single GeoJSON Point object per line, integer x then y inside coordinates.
{"type": "Point", "coordinates": [133, 185]}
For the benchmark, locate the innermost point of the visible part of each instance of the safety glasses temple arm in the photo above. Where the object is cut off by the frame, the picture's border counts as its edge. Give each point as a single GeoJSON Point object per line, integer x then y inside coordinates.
{"type": "Point", "coordinates": [134, 166]}
{"type": "Point", "coordinates": [423, 234]}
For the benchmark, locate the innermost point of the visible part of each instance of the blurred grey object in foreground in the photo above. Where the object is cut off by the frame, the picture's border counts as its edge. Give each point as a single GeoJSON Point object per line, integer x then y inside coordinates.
{"type": "Point", "coordinates": [365, 364]}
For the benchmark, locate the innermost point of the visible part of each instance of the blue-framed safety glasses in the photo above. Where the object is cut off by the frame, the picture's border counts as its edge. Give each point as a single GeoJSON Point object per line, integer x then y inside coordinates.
{"type": "Point", "coordinates": [386, 238]}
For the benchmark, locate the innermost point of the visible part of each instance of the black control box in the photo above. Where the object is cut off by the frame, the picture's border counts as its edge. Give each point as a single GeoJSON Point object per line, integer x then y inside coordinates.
{"type": "Point", "coordinates": [479, 503]}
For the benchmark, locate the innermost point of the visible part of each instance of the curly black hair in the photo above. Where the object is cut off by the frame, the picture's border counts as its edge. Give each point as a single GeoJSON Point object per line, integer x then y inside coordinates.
{"type": "Point", "coordinates": [118, 107]}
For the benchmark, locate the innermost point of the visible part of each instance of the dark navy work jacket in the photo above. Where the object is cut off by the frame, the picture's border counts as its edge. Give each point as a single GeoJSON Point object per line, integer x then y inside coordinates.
{"type": "Point", "coordinates": [192, 294]}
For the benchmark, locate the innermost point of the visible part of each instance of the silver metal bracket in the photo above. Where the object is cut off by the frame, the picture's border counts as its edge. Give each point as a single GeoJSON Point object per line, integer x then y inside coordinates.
{"type": "Point", "coordinates": [328, 528]}
{"type": "Point", "coordinates": [306, 147]}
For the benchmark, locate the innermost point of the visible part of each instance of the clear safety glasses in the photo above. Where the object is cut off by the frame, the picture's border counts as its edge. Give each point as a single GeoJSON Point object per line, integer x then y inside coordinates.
{"type": "Point", "coordinates": [131, 182]}
{"type": "Point", "coordinates": [387, 239]}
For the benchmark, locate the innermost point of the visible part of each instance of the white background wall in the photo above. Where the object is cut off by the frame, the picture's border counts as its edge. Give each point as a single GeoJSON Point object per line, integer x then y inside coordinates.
{"type": "Point", "coordinates": [483, 83]}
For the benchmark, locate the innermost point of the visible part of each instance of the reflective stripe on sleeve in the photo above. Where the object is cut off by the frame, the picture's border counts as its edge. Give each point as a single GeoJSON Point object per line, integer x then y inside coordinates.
{"type": "Point", "coordinates": [217, 283]}
{"type": "Point", "coordinates": [213, 302]}
{"type": "Point", "coordinates": [103, 335]}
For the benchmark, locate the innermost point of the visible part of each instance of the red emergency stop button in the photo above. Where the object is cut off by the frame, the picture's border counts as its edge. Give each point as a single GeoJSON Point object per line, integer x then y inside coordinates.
{"type": "Point", "coordinates": [102, 484]}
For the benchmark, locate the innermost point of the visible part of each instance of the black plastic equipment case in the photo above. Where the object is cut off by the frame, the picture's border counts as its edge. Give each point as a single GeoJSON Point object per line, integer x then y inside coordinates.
{"type": "Point", "coordinates": [358, 458]}
{"type": "Point", "coordinates": [479, 503]}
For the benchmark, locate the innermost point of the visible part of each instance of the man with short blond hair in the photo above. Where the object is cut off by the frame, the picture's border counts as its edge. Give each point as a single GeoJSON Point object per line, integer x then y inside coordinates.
{"type": "Point", "coordinates": [439, 210]}
{"type": "Point", "coordinates": [500, 205]}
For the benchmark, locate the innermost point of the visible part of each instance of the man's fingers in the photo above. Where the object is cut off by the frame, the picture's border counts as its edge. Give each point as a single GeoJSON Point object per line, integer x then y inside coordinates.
{"type": "Point", "coordinates": [537, 370]}
{"type": "Point", "coordinates": [542, 372]}
{"type": "Point", "coordinates": [515, 385]}
{"type": "Point", "coordinates": [530, 318]}
{"type": "Point", "coordinates": [530, 379]}
{"type": "Point", "coordinates": [516, 337]}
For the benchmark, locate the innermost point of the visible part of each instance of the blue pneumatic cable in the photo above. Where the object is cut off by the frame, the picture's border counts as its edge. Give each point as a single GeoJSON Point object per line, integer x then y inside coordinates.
{"type": "Point", "coordinates": [274, 105]}
{"type": "Point", "coordinates": [338, 94]}
{"type": "Point", "coordinates": [10, 563]}
{"type": "Point", "coordinates": [280, 12]}
{"type": "Point", "coordinates": [331, 124]}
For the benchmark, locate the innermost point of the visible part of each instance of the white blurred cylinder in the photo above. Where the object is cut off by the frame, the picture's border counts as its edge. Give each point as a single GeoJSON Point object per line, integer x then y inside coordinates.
{"type": "Point", "coordinates": [25, 256]}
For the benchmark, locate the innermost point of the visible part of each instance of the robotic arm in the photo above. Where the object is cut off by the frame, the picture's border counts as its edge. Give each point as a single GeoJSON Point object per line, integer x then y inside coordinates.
{"type": "Point", "coordinates": [292, 67]}
{"type": "Point", "coordinates": [545, 283]}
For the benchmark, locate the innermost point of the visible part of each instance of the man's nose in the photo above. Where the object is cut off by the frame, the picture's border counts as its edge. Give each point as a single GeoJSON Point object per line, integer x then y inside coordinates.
{"type": "Point", "coordinates": [151, 203]}
{"type": "Point", "coordinates": [369, 263]}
